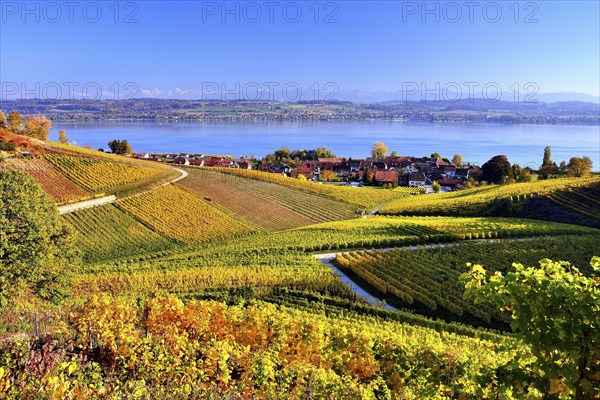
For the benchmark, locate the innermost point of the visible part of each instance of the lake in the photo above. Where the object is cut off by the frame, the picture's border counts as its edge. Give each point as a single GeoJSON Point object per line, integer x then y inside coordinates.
{"type": "Point", "coordinates": [475, 142]}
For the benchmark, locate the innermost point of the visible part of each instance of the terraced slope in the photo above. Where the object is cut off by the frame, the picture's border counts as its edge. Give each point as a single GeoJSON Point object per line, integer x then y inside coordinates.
{"type": "Point", "coordinates": [362, 197]}
{"type": "Point", "coordinates": [576, 194]}
{"type": "Point", "coordinates": [183, 217]}
{"type": "Point", "coordinates": [59, 188]}
{"type": "Point", "coordinates": [268, 205]}
{"type": "Point", "coordinates": [107, 233]}
{"type": "Point", "coordinates": [99, 175]}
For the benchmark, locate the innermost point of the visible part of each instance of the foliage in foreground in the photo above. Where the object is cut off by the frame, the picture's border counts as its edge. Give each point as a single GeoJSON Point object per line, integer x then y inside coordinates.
{"type": "Point", "coordinates": [556, 311]}
{"type": "Point", "coordinates": [118, 349]}
{"type": "Point", "coordinates": [35, 247]}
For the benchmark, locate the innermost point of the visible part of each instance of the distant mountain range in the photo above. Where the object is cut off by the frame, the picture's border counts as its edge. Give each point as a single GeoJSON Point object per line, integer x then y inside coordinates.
{"type": "Point", "coordinates": [361, 96]}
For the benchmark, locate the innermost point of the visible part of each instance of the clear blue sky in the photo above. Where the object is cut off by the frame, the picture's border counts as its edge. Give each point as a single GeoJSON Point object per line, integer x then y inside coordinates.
{"type": "Point", "coordinates": [371, 46]}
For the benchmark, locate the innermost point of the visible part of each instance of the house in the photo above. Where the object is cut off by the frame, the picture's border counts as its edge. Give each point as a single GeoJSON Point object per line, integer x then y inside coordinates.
{"type": "Point", "coordinates": [355, 165]}
{"type": "Point", "coordinates": [328, 163]}
{"type": "Point", "coordinates": [145, 156]}
{"type": "Point", "coordinates": [197, 162]}
{"type": "Point", "coordinates": [244, 164]}
{"type": "Point", "coordinates": [212, 161]}
{"type": "Point", "coordinates": [223, 164]}
{"type": "Point", "coordinates": [449, 184]}
{"type": "Point", "coordinates": [403, 179]}
{"type": "Point", "coordinates": [462, 173]}
{"type": "Point", "coordinates": [383, 177]}
{"type": "Point", "coordinates": [306, 171]}
{"type": "Point", "coordinates": [417, 179]}
{"type": "Point", "coordinates": [181, 161]}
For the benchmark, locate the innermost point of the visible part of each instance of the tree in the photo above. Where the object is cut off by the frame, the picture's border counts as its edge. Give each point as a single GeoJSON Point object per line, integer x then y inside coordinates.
{"type": "Point", "coordinates": [497, 170]}
{"type": "Point", "coordinates": [120, 147]}
{"type": "Point", "coordinates": [301, 177]}
{"type": "Point", "coordinates": [379, 150]}
{"type": "Point", "coordinates": [62, 137]}
{"type": "Point", "coordinates": [3, 121]}
{"type": "Point", "coordinates": [579, 166]}
{"type": "Point", "coordinates": [556, 312]}
{"type": "Point", "coordinates": [436, 155]}
{"type": "Point", "coordinates": [328, 176]}
{"type": "Point", "coordinates": [36, 249]}
{"type": "Point", "coordinates": [15, 122]}
{"type": "Point", "coordinates": [394, 154]}
{"type": "Point", "coordinates": [37, 127]}
{"type": "Point", "coordinates": [517, 172]}
{"type": "Point", "coordinates": [547, 154]}
{"type": "Point", "coordinates": [436, 187]}
{"type": "Point", "coordinates": [525, 175]}
{"type": "Point", "coordinates": [457, 160]}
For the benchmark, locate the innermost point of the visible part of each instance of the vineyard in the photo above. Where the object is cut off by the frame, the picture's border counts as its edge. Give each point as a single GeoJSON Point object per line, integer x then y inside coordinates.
{"type": "Point", "coordinates": [583, 200]}
{"type": "Point", "coordinates": [248, 351]}
{"type": "Point", "coordinates": [408, 190]}
{"type": "Point", "coordinates": [183, 217]}
{"type": "Point", "coordinates": [426, 279]}
{"type": "Point", "coordinates": [479, 201]}
{"type": "Point", "coordinates": [99, 175]}
{"type": "Point", "coordinates": [60, 189]}
{"type": "Point", "coordinates": [361, 197]}
{"type": "Point", "coordinates": [107, 233]}
{"type": "Point", "coordinates": [268, 205]}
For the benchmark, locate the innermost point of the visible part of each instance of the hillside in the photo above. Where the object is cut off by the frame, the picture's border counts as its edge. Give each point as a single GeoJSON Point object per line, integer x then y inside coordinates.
{"type": "Point", "coordinates": [573, 200]}
{"type": "Point", "coordinates": [229, 273]}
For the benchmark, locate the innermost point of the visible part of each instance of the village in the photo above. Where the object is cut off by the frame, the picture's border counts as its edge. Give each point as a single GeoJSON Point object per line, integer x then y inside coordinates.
{"type": "Point", "coordinates": [388, 172]}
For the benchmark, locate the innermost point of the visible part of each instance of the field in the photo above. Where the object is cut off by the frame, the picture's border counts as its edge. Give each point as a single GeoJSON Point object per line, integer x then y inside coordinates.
{"type": "Point", "coordinates": [270, 206]}
{"type": "Point", "coordinates": [183, 217]}
{"type": "Point", "coordinates": [99, 175]}
{"type": "Point", "coordinates": [107, 233]}
{"type": "Point", "coordinates": [59, 188]}
{"type": "Point", "coordinates": [426, 279]}
{"type": "Point", "coordinates": [361, 197]}
{"type": "Point", "coordinates": [495, 199]}
{"type": "Point", "coordinates": [583, 200]}
{"type": "Point", "coordinates": [210, 288]}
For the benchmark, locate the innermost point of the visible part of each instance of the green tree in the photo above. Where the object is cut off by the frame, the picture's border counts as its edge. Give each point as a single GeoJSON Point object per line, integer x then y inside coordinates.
{"type": "Point", "coordinates": [436, 187]}
{"type": "Point", "coordinates": [436, 155]}
{"type": "Point", "coordinates": [457, 160]}
{"type": "Point", "coordinates": [36, 249]}
{"type": "Point", "coordinates": [120, 147]}
{"type": "Point", "coordinates": [15, 122]}
{"type": "Point", "coordinates": [394, 154]}
{"type": "Point", "coordinates": [497, 170]}
{"type": "Point", "coordinates": [62, 137]}
{"type": "Point", "coordinates": [556, 312]}
{"type": "Point", "coordinates": [517, 172]}
{"type": "Point", "coordinates": [379, 150]}
{"type": "Point", "coordinates": [37, 126]}
{"type": "Point", "coordinates": [547, 156]}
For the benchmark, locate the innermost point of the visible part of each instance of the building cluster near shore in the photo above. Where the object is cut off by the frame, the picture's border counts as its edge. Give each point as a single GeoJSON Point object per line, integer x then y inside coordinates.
{"type": "Point", "coordinates": [390, 171]}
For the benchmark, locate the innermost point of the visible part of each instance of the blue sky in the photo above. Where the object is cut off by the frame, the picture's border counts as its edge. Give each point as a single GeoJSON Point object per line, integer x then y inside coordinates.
{"type": "Point", "coordinates": [366, 46]}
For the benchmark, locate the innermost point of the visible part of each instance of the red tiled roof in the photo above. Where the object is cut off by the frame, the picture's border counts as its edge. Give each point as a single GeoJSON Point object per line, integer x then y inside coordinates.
{"type": "Point", "coordinates": [386, 176]}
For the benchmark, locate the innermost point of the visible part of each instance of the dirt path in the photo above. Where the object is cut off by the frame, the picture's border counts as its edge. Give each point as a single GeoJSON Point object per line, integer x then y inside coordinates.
{"type": "Point", "coordinates": [327, 258]}
{"type": "Point", "coordinates": [82, 205]}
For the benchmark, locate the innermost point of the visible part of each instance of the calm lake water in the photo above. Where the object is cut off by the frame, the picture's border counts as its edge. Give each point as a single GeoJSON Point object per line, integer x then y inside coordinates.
{"type": "Point", "coordinates": [475, 142]}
